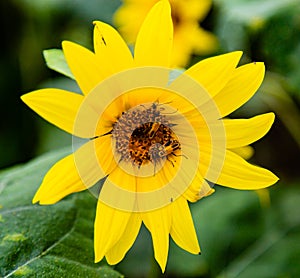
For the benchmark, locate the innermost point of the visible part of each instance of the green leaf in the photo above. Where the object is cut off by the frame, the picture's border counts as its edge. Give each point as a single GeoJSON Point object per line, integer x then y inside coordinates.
{"type": "Point", "coordinates": [55, 60]}
{"type": "Point", "coordinates": [45, 241]}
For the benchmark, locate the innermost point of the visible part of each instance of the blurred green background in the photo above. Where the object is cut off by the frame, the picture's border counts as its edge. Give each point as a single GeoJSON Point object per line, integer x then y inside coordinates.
{"type": "Point", "coordinates": [241, 234]}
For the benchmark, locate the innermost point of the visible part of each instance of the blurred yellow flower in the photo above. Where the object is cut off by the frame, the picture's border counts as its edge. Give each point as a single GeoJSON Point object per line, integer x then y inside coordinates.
{"type": "Point", "coordinates": [189, 37]}
{"type": "Point", "coordinates": [156, 142]}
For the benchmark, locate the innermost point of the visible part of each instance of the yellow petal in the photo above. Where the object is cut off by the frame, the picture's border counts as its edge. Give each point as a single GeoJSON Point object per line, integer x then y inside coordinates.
{"type": "Point", "coordinates": [158, 222]}
{"type": "Point", "coordinates": [57, 106]}
{"type": "Point", "coordinates": [119, 250]}
{"type": "Point", "coordinates": [111, 50]}
{"type": "Point", "coordinates": [245, 152]}
{"type": "Point", "coordinates": [103, 154]}
{"type": "Point", "coordinates": [239, 174]}
{"type": "Point", "coordinates": [157, 190]}
{"type": "Point", "coordinates": [198, 189]}
{"type": "Point", "coordinates": [110, 224]}
{"type": "Point", "coordinates": [214, 73]}
{"type": "Point", "coordinates": [154, 42]}
{"type": "Point", "coordinates": [94, 160]}
{"type": "Point", "coordinates": [183, 230]}
{"type": "Point", "coordinates": [242, 86]}
{"type": "Point", "coordinates": [74, 173]}
{"type": "Point", "coordinates": [83, 64]}
{"type": "Point", "coordinates": [243, 132]}
{"type": "Point", "coordinates": [61, 180]}
{"type": "Point", "coordinates": [119, 190]}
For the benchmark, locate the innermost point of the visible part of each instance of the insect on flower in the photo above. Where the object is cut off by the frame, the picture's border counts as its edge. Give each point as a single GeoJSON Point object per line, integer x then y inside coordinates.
{"type": "Point", "coordinates": [153, 130]}
{"type": "Point", "coordinates": [167, 150]}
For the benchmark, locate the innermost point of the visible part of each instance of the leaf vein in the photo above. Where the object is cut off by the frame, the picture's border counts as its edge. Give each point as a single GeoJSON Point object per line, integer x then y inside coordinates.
{"type": "Point", "coordinates": [45, 251]}
{"type": "Point", "coordinates": [17, 209]}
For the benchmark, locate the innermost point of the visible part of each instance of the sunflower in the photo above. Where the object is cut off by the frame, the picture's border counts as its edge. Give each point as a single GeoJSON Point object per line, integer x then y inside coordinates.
{"type": "Point", "coordinates": [156, 141]}
{"type": "Point", "coordinates": [189, 37]}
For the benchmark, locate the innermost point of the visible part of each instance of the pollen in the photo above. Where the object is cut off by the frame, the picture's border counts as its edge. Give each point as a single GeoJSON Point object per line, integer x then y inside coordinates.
{"type": "Point", "coordinates": [143, 135]}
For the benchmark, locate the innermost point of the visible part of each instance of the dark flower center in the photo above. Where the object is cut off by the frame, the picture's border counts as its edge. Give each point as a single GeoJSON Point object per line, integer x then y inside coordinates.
{"type": "Point", "coordinates": [143, 135]}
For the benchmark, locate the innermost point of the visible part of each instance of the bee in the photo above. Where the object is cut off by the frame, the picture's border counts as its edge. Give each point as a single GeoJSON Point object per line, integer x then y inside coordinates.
{"type": "Point", "coordinates": [154, 128]}
{"type": "Point", "coordinates": [159, 151]}
{"type": "Point", "coordinates": [169, 148]}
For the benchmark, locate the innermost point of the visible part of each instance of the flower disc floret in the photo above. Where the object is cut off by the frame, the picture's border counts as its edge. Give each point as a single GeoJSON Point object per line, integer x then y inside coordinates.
{"type": "Point", "coordinates": [143, 135]}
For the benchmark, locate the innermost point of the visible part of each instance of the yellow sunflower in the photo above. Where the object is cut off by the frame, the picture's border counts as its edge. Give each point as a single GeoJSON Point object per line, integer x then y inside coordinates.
{"type": "Point", "coordinates": [189, 37]}
{"type": "Point", "coordinates": [157, 137]}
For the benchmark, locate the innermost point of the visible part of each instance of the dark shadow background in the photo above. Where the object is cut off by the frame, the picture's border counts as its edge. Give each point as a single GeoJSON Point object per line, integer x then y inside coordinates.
{"type": "Point", "coordinates": [27, 28]}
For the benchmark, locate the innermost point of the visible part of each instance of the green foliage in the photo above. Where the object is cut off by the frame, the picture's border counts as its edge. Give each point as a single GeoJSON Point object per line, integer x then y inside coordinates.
{"type": "Point", "coordinates": [95, 9]}
{"type": "Point", "coordinates": [267, 30]}
{"type": "Point", "coordinates": [55, 60]}
{"type": "Point", "coordinates": [238, 238]}
{"type": "Point", "coordinates": [45, 241]}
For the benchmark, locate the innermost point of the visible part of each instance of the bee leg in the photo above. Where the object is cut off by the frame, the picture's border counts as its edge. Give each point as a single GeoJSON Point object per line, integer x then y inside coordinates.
{"type": "Point", "coordinates": [177, 155]}
{"type": "Point", "coordinates": [170, 161]}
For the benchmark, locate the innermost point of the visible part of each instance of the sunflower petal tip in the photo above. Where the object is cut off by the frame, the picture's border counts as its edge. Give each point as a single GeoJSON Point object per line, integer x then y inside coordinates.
{"type": "Point", "coordinates": [162, 263]}
{"type": "Point", "coordinates": [98, 257]}
{"type": "Point", "coordinates": [45, 202]}
{"type": "Point", "coordinates": [25, 98]}
{"type": "Point", "coordinates": [276, 179]}
{"type": "Point", "coordinates": [272, 179]}
{"type": "Point", "coordinates": [98, 23]}
{"type": "Point", "coordinates": [259, 64]}
{"type": "Point", "coordinates": [37, 196]}
{"type": "Point", "coordinates": [66, 43]}
{"type": "Point", "coordinates": [29, 98]}
{"type": "Point", "coordinates": [267, 118]}
{"type": "Point", "coordinates": [271, 117]}
{"type": "Point", "coordinates": [163, 269]}
{"type": "Point", "coordinates": [238, 53]}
